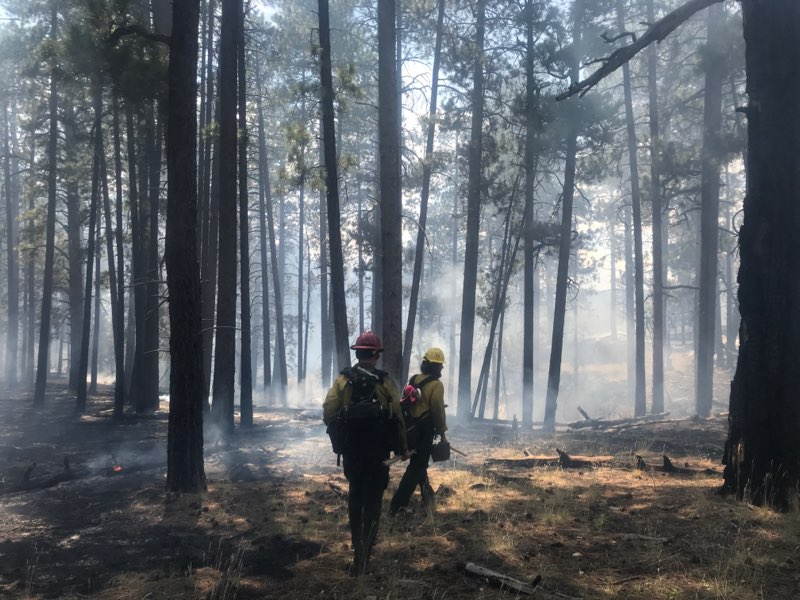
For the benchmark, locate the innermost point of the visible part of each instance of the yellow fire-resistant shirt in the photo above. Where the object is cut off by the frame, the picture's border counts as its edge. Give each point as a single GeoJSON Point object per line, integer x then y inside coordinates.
{"type": "Point", "coordinates": [386, 393]}
{"type": "Point", "coordinates": [431, 399]}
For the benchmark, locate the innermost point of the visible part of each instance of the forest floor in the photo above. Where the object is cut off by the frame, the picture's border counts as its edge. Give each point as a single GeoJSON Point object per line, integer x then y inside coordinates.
{"type": "Point", "coordinates": [273, 523]}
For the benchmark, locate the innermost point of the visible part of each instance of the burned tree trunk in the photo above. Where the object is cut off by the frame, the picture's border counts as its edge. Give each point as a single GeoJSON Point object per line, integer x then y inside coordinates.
{"type": "Point", "coordinates": [762, 450]}
{"type": "Point", "coordinates": [185, 471]}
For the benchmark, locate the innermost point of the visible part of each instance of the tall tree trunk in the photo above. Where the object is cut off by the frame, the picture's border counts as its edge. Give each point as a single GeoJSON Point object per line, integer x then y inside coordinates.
{"type": "Point", "coordinates": [529, 267]}
{"type": "Point", "coordinates": [74, 230]}
{"type": "Point", "coordinates": [83, 366]}
{"type": "Point", "coordinates": [209, 211]}
{"type": "Point", "coordinates": [134, 391]}
{"type": "Point", "coordinates": [554, 372]}
{"type": "Point", "coordinates": [30, 287]}
{"type": "Point", "coordinates": [473, 219]}
{"type": "Point", "coordinates": [630, 319]}
{"type": "Point", "coordinates": [97, 299]}
{"type": "Point", "coordinates": [12, 257]}
{"type": "Point", "coordinates": [709, 211]}
{"type": "Point", "coordinates": [205, 110]}
{"type": "Point", "coordinates": [332, 187]}
{"type": "Point", "coordinates": [326, 339]}
{"type": "Point", "coordinates": [280, 339]}
{"type": "Point", "coordinates": [114, 268]}
{"type": "Point", "coordinates": [210, 254]}
{"type": "Point", "coordinates": [185, 471]}
{"type": "Point", "coordinates": [389, 155]}
{"type": "Point", "coordinates": [246, 376]}
{"type": "Point", "coordinates": [50, 229]}
{"type": "Point", "coordinates": [731, 312]}
{"type": "Point", "coordinates": [204, 151]}
{"type": "Point", "coordinates": [454, 264]}
{"type": "Point", "coordinates": [498, 363]}
{"type": "Point", "coordinates": [761, 453]}
{"type": "Point", "coordinates": [640, 396]}
{"type": "Point", "coordinates": [308, 314]}
{"type": "Point", "coordinates": [427, 167]}
{"type": "Point", "coordinates": [361, 266]}
{"type": "Point", "coordinates": [225, 345]}
{"type": "Point", "coordinates": [263, 192]}
{"type": "Point", "coordinates": [119, 327]}
{"type": "Point", "coordinates": [612, 316]}
{"type": "Point", "coordinates": [151, 353]}
{"type": "Point", "coordinates": [301, 218]}
{"type": "Point", "coordinates": [505, 268]}
{"type": "Point", "coordinates": [655, 199]}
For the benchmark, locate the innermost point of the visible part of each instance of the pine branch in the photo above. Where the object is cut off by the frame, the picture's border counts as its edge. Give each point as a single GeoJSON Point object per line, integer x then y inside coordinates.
{"type": "Point", "coordinates": [657, 32]}
{"type": "Point", "coordinates": [123, 30]}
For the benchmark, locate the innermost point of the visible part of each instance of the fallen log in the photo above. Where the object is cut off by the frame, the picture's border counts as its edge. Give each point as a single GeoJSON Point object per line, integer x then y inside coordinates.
{"type": "Point", "coordinates": [643, 538]}
{"type": "Point", "coordinates": [563, 460]}
{"type": "Point", "coordinates": [608, 423]}
{"type": "Point", "coordinates": [44, 482]}
{"type": "Point", "coordinates": [584, 414]}
{"type": "Point", "coordinates": [667, 467]}
{"type": "Point", "coordinates": [338, 490]}
{"type": "Point", "coordinates": [500, 580]}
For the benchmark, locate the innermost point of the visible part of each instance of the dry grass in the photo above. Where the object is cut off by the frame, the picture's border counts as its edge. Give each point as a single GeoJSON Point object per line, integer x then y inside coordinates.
{"type": "Point", "coordinates": [609, 532]}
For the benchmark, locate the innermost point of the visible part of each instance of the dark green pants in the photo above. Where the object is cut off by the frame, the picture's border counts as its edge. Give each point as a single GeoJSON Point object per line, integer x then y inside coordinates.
{"type": "Point", "coordinates": [368, 479]}
{"type": "Point", "coordinates": [421, 440]}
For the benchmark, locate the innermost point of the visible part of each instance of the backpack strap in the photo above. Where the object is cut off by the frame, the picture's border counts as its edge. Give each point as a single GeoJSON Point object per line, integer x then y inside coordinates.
{"type": "Point", "coordinates": [422, 383]}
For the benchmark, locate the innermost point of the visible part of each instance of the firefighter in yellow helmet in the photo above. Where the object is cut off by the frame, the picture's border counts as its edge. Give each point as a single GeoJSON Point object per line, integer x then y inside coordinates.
{"type": "Point", "coordinates": [423, 411]}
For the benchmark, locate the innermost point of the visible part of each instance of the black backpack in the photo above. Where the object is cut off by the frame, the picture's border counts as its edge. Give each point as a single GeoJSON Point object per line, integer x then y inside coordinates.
{"type": "Point", "coordinates": [363, 427]}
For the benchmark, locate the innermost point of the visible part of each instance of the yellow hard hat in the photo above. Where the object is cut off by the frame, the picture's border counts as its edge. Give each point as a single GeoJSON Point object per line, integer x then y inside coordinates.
{"type": "Point", "coordinates": [434, 355]}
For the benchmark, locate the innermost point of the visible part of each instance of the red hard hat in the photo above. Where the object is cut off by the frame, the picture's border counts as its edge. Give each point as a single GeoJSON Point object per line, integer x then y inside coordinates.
{"type": "Point", "coordinates": [367, 341]}
{"type": "Point", "coordinates": [410, 394]}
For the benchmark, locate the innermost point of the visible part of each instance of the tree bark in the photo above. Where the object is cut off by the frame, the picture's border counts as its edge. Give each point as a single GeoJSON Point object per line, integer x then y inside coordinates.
{"type": "Point", "coordinates": [138, 307]}
{"type": "Point", "coordinates": [225, 345]}
{"type": "Point", "coordinates": [96, 317]}
{"type": "Point", "coordinates": [210, 254]}
{"type": "Point", "coordinates": [640, 400]}
{"type": "Point", "coordinates": [427, 167]}
{"type": "Point", "coordinates": [263, 191]}
{"type": "Point", "coordinates": [50, 229]}
{"type": "Point", "coordinates": [185, 471]}
{"type": "Point", "coordinates": [150, 356]}
{"type": "Point", "coordinates": [709, 211]}
{"type": "Point", "coordinates": [557, 344]}
{"type": "Point", "coordinates": [246, 376]}
{"type": "Point", "coordinates": [12, 256]}
{"type": "Point", "coordinates": [83, 365]}
{"type": "Point", "coordinates": [762, 450]}
{"type": "Point", "coordinates": [117, 315]}
{"type": "Point", "coordinates": [473, 219]}
{"type": "Point", "coordinates": [530, 274]}
{"type": "Point", "coordinates": [657, 405]}
{"type": "Point", "coordinates": [326, 339]}
{"type": "Point", "coordinates": [119, 324]}
{"type": "Point", "coordinates": [332, 187]}
{"type": "Point", "coordinates": [389, 155]}
{"type": "Point", "coordinates": [75, 258]}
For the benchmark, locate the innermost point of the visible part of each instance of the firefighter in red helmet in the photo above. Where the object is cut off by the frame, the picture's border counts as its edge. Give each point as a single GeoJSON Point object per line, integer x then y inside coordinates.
{"type": "Point", "coordinates": [362, 412]}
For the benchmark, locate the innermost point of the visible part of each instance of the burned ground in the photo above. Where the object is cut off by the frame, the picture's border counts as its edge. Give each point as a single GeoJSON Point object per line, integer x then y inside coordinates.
{"type": "Point", "coordinates": [91, 518]}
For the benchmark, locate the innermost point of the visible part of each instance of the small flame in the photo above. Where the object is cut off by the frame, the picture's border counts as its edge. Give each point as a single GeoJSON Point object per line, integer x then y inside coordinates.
{"type": "Point", "coordinates": [117, 469]}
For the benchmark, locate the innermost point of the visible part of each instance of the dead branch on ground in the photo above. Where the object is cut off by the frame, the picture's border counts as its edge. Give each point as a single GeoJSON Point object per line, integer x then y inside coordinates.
{"type": "Point", "coordinates": [668, 467]}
